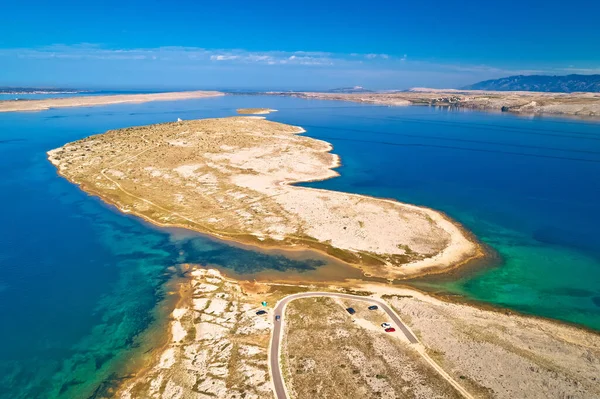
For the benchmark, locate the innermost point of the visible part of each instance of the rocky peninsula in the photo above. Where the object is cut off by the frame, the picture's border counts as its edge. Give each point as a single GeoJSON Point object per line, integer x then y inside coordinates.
{"type": "Point", "coordinates": [233, 178]}
{"type": "Point", "coordinates": [217, 346]}
{"type": "Point", "coordinates": [518, 102]}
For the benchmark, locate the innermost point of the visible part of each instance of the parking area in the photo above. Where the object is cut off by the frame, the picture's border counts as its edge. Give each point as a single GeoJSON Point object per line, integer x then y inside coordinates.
{"type": "Point", "coordinates": [330, 352]}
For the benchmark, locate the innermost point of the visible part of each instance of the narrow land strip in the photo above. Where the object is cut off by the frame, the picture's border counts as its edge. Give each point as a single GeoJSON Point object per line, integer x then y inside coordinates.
{"type": "Point", "coordinates": [220, 345]}
{"type": "Point", "coordinates": [519, 102]}
{"type": "Point", "coordinates": [89, 101]}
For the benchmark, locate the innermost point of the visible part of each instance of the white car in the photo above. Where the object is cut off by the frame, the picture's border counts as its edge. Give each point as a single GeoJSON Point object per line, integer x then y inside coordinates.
{"type": "Point", "coordinates": [386, 325]}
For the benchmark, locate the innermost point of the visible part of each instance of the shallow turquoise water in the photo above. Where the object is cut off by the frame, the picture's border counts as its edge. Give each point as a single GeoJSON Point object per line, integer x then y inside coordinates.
{"type": "Point", "coordinates": [527, 187]}
{"type": "Point", "coordinates": [79, 281]}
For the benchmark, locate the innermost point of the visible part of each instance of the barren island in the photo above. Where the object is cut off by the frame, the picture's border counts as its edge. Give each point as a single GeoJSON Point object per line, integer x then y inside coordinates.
{"type": "Point", "coordinates": [233, 178]}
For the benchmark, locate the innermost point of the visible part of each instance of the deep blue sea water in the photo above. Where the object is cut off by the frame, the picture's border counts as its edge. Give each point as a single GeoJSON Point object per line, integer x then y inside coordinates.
{"type": "Point", "coordinates": [79, 281]}
{"type": "Point", "coordinates": [527, 187]}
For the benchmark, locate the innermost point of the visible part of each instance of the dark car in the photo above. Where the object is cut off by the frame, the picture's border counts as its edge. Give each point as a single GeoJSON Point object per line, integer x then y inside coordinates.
{"type": "Point", "coordinates": [277, 318]}
{"type": "Point", "coordinates": [261, 312]}
{"type": "Point", "coordinates": [351, 310]}
{"type": "Point", "coordinates": [390, 329]}
{"type": "Point", "coordinates": [373, 307]}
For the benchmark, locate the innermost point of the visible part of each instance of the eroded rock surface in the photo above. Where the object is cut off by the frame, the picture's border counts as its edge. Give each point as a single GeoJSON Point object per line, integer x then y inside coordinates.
{"type": "Point", "coordinates": [231, 177]}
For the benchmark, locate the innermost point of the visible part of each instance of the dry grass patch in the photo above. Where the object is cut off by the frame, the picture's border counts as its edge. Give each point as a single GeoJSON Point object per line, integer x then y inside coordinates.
{"type": "Point", "coordinates": [231, 177]}
{"type": "Point", "coordinates": [504, 356]}
{"type": "Point", "coordinates": [327, 355]}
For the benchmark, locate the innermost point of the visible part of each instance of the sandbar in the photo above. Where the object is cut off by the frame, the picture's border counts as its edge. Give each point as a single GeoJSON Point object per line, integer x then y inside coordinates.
{"type": "Point", "coordinates": [89, 101]}
{"type": "Point", "coordinates": [255, 111]}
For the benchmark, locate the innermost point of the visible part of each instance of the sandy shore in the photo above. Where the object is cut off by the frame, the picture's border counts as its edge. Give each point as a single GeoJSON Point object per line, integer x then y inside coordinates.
{"type": "Point", "coordinates": [233, 178]}
{"type": "Point", "coordinates": [255, 111]}
{"type": "Point", "coordinates": [519, 102]}
{"type": "Point", "coordinates": [89, 101]}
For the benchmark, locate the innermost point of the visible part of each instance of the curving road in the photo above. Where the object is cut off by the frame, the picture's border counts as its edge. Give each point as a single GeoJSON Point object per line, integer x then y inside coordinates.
{"type": "Point", "coordinates": [275, 344]}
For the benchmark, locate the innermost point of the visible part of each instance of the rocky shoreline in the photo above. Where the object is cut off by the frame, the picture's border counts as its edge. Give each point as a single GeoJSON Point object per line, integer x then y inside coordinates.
{"type": "Point", "coordinates": [525, 103]}
{"type": "Point", "coordinates": [233, 178]}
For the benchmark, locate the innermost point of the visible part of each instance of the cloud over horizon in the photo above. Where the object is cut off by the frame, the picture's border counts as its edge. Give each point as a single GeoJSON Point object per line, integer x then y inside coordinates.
{"type": "Point", "coordinates": [179, 66]}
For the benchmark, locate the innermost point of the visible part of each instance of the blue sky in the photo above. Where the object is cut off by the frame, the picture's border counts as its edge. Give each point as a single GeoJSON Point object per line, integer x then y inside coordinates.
{"type": "Point", "coordinates": [292, 45]}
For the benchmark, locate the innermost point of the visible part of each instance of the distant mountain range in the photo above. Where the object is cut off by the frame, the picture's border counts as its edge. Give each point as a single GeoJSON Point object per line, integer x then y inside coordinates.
{"type": "Point", "coordinates": [355, 89]}
{"type": "Point", "coordinates": [553, 84]}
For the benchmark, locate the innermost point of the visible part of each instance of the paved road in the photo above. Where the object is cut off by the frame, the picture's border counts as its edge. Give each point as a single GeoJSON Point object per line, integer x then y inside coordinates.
{"type": "Point", "coordinates": [274, 350]}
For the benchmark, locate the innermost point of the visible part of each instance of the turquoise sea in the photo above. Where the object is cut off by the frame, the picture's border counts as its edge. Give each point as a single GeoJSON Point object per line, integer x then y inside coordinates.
{"type": "Point", "coordinates": [79, 282]}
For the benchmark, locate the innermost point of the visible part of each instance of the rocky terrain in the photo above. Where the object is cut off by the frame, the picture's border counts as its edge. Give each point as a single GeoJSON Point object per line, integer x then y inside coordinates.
{"type": "Point", "coordinates": [576, 104]}
{"type": "Point", "coordinates": [232, 177]}
{"type": "Point", "coordinates": [497, 354]}
{"type": "Point", "coordinates": [492, 354]}
{"type": "Point", "coordinates": [217, 346]}
{"type": "Point", "coordinates": [329, 354]}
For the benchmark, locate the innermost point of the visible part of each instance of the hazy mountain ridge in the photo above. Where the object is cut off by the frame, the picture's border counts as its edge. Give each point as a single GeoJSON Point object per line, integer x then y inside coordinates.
{"type": "Point", "coordinates": [542, 83]}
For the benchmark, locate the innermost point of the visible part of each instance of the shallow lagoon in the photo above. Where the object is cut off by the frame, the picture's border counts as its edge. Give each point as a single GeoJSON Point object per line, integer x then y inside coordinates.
{"type": "Point", "coordinates": [79, 281]}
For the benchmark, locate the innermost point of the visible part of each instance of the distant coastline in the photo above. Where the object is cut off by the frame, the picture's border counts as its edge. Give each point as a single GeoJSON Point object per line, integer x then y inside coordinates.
{"type": "Point", "coordinates": [40, 90]}
{"type": "Point", "coordinates": [88, 101]}
{"type": "Point", "coordinates": [517, 102]}
{"type": "Point", "coordinates": [581, 105]}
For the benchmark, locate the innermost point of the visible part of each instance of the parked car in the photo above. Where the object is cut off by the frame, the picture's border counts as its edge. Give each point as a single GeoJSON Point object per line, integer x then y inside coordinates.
{"type": "Point", "coordinates": [386, 325]}
{"type": "Point", "coordinates": [373, 307]}
{"type": "Point", "coordinates": [277, 318]}
{"type": "Point", "coordinates": [351, 310]}
{"type": "Point", "coordinates": [261, 312]}
{"type": "Point", "coordinates": [391, 329]}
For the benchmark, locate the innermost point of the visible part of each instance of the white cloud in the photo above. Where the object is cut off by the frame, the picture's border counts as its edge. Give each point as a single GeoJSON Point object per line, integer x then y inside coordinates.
{"type": "Point", "coordinates": [221, 57]}
{"type": "Point", "coordinates": [373, 56]}
{"type": "Point", "coordinates": [96, 52]}
{"type": "Point", "coordinates": [371, 65]}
